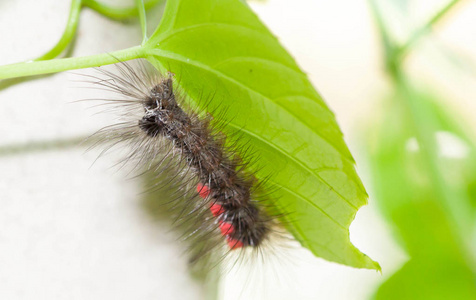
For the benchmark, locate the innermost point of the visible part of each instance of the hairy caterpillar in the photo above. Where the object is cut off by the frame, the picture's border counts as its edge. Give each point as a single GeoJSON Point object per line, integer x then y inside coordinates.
{"type": "Point", "coordinates": [216, 200]}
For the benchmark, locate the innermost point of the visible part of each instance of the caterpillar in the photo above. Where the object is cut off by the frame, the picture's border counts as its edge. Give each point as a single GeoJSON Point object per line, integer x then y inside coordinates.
{"type": "Point", "coordinates": [217, 200]}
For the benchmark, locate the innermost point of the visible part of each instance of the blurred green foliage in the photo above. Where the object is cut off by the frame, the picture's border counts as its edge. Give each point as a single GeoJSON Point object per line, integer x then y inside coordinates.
{"type": "Point", "coordinates": [423, 163]}
{"type": "Point", "coordinates": [435, 234]}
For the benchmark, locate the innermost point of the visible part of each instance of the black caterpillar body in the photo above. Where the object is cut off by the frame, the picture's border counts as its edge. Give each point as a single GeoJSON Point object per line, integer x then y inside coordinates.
{"type": "Point", "coordinates": [221, 174]}
{"type": "Point", "coordinates": [216, 202]}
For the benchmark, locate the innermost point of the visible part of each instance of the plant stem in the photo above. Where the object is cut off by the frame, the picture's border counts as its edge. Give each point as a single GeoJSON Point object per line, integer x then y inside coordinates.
{"type": "Point", "coordinates": [64, 64]}
{"type": "Point", "coordinates": [108, 11]}
{"type": "Point", "coordinates": [389, 46]}
{"type": "Point", "coordinates": [117, 13]}
{"type": "Point", "coordinates": [422, 31]}
{"type": "Point", "coordinates": [143, 19]}
{"type": "Point", "coordinates": [395, 54]}
{"type": "Point", "coordinates": [68, 34]}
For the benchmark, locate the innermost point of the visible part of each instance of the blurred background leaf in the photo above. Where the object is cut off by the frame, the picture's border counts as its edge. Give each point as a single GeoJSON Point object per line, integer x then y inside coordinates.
{"type": "Point", "coordinates": [441, 256]}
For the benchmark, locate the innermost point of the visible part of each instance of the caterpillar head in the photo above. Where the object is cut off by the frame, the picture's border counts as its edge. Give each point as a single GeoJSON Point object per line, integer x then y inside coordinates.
{"type": "Point", "coordinates": [161, 96]}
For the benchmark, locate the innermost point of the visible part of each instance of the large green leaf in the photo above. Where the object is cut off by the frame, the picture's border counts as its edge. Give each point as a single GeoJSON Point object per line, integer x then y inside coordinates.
{"type": "Point", "coordinates": [219, 49]}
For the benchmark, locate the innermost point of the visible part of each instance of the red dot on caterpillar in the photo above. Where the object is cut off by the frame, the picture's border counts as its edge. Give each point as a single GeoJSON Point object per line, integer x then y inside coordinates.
{"type": "Point", "coordinates": [203, 190]}
{"type": "Point", "coordinates": [234, 244]}
{"type": "Point", "coordinates": [226, 228]}
{"type": "Point", "coordinates": [216, 209]}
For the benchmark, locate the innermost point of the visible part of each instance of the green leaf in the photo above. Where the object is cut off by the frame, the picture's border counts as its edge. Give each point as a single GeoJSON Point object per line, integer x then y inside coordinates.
{"type": "Point", "coordinates": [219, 50]}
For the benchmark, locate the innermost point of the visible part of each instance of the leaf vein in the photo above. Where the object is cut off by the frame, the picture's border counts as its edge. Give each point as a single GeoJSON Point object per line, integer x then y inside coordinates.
{"type": "Point", "coordinates": [295, 160]}
{"type": "Point", "coordinates": [310, 202]}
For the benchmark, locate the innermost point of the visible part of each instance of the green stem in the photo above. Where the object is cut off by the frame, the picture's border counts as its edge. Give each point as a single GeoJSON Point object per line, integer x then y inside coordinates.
{"type": "Point", "coordinates": [426, 28]}
{"type": "Point", "coordinates": [394, 54]}
{"type": "Point", "coordinates": [108, 11]}
{"type": "Point", "coordinates": [64, 64]}
{"type": "Point", "coordinates": [68, 34]}
{"type": "Point", "coordinates": [143, 19]}
{"type": "Point", "coordinates": [389, 45]}
{"type": "Point", "coordinates": [117, 13]}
